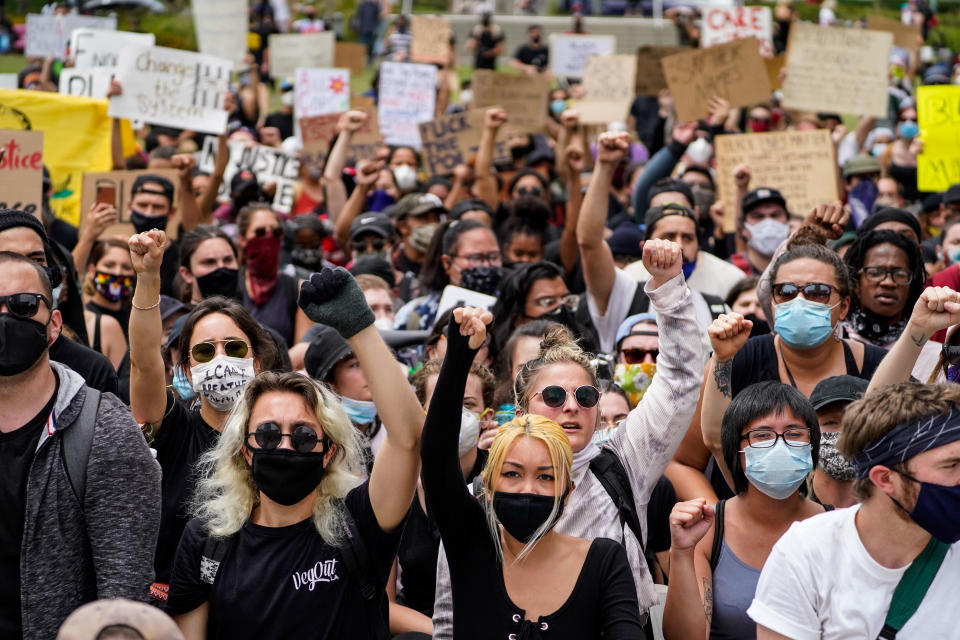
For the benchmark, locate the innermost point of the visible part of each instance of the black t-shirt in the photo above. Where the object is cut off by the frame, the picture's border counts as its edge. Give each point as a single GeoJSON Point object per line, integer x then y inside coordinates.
{"type": "Point", "coordinates": [93, 366]}
{"type": "Point", "coordinates": [487, 39]}
{"type": "Point", "coordinates": [283, 582]}
{"type": "Point", "coordinates": [17, 449]}
{"type": "Point", "coordinates": [280, 310]}
{"type": "Point", "coordinates": [182, 438]}
{"type": "Point", "coordinates": [282, 121]}
{"type": "Point", "coordinates": [536, 56]}
{"type": "Point", "coordinates": [122, 316]}
{"type": "Point", "coordinates": [169, 268]}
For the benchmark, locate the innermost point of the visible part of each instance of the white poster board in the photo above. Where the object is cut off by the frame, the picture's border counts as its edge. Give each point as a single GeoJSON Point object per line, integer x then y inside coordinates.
{"type": "Point", "coordinates": [454, 296]}
{"type": "Point", "coordinates": [726, 25]}
{"type": "Point", "coordinates": [93, 82]}
{"type": "Point", "coordinates": [49, 35]}
{"type": "Point", "coordinates": [290, 51]}
{"type": "Point", "coordinates": [569, 52]}
{"type": "Point", "coordinates": [269, 164]}
{"type": "Point", "coordinates": [8, 81]}
{"type": "Point", "coordinates": [407, 95]}
{"type": "Point", "coordinates": [321, 91]}
{"type": "Point", "coordinates": [172, 88]}
{"type": "Point", "coordinates": [101, 48]}
{"type": "Point", "coordinates": [221, 27]}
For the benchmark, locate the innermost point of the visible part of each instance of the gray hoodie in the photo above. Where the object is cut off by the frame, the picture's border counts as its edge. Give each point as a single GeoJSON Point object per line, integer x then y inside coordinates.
{"type": "Point", "coordinates": [73, 553]}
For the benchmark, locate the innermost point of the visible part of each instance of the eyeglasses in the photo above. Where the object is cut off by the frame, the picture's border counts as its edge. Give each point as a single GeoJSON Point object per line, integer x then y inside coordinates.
{"type": "Point", "coordinates": [879, 274]}
{"type": "Point", "coordinates": [24, 305]}
{"type": "Point", "coordinates": [361, 245]}
{"type": "Point", "coordinates": [555, 396]}
{"type": "Point", "coordinates": [612, 424]}
{"type": "Point", "coordinates": [812, 291]}
{"type": "Point", "coordinates": [206, 350]}
{"type": "Point", "coordinates": [530, 191]}
{"type": "Point", "coordinates": [260, 232]}
{"type": "Point", "coordinates": [552, 302]}
{"type": "Point", "coordinates": [636, 355]}
{"type": "Point", "coordinates": [765, 438]}
{"type": "Point", "coordinates": [268, 436]}
{"type": "Point", "coordinates": [491, 258]}
{"type": "Point", "coordinates": [951, 353]}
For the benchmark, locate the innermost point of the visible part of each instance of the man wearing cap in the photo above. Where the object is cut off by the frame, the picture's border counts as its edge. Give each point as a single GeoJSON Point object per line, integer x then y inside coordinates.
{"type": "Point", "coordinates": [892, 563]}
{"type": "Point", "coordinates": [150, 207]}
{"type": "Point", "coordinates": [764, 224]}
{"type": "Point", "coordinates": [119, 619]}
{"type": "Point", "coordinates": [832, 481]}
{"type": "Point", "coordinates": [371, 235]}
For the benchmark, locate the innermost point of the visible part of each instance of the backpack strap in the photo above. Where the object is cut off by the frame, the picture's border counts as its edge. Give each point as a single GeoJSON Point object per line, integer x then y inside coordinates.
{"type": "Point", "coordinates": [913, 587]}
{"type": "Point", "coordinates": [716, 304]}
{"type": "Point", "coordinates": [609, 470]}
{"type": "Point", "coordinates": [214, 550]}
{"type": "Point", "coordinates": [717, 536]}
{"type": "Point", "coordinates": [77, 441]}
{"type": "Point", "coordinates": [357, 561]}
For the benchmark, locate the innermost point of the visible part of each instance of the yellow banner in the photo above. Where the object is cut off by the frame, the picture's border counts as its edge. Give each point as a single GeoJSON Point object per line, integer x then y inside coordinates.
{"type": "Point", "coordinates": [76, 139]}
{"type": "Point", "coordinates": [938, 112]}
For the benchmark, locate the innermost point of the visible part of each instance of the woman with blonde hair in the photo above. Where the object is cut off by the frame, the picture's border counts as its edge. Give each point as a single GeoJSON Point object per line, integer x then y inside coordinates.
{"type": "Point", "coordinates": [503, 549]}
{"type": "Point", "coordinates": [288, 541]}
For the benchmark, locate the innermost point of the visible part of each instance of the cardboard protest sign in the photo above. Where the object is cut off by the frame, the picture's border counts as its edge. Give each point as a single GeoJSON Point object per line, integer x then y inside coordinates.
{"type": "Point", "coordinates": [350, 55]}
{"type": "Point", "coordinates": [49, 35]}
{"type": "Point", "coordinates": [101, 48]}
{"type": "Point", "coordinates": [608, 86]}
{"type": "Point", "coordinates": [172, 88]}
{"type": "Point", "coordinates": [288, 51]}
{"type": "Point", "coordinates": [905, 36]}
{"type": "Point", "coordinates": [735, 23]}
{"type": "Point", "coordinates": [221, 27]}
{"type": "Point", "coordinates": [938, 113]}
{"type": "Point", "coordinates": [114, 187]}
{"type": "Point", "coordinates": [407, 97]}
{"type": "Point", "coordinates": [800, 164]}
{"type": "Point", "coordinates": [270, 165]}
{"type": "Point", "coordinates": [451, 140]}
{"type": "Point", "coordinates": [21, 171]}
{"type": "Point", "coordinates": [431, 39]}
{"type": "Point", "coordinates": [320, 91]}
{"type": "Point", "coordinates": [569, 52]}
{"type": "Point", "coordinates": [837, 70]}
{"type": "Point", "coordinates": [650, 80]}
{"type": "Point", "coordinates": [316, 133]}
{"type": "Point", "coordinates": [733, 71]}
{"type": "Point", "coordinates": [523, 97]}
{"type": "Point", "coordinates": [774, 65]}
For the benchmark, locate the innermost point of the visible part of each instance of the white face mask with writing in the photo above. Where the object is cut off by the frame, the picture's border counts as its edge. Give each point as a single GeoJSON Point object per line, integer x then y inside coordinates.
{"type": "Point", "coordinates": [222, 380]}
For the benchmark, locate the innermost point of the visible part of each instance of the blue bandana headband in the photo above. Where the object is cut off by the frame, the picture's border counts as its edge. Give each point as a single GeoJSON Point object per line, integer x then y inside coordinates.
{"type": "Point", "coordinates": [907, 440]}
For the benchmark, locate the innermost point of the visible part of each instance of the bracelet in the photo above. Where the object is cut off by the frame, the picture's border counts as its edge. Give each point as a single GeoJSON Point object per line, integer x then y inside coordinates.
{"type": "Point", "coordinates": [153, 306]}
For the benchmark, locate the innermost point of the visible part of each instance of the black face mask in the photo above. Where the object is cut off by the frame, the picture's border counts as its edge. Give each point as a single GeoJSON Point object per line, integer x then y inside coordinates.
{"type": "Point", "coordinates": [220, 282]}
{"type": "Point", "coordinates": [521, 514]}
{"type": "Point", "coordinates": [562, 314]}
{"type": "Point", "coordinates": [485, 279]}
{"type": "Point", "coordinates": [760, 327]}
{"type": "Point", "coordinates": [286, 476]}
{"type": "Point", "coordinates": [310, 259]}
{"type": "Point", "coordinates": [22, 342]}
{"type": "Point", "coordinates": [143, 223]}
{"type": "Point", "coordinates": [517, 153]}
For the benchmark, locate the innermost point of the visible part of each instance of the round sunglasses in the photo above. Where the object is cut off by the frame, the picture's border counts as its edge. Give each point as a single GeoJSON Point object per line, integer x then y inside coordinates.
{"type": "Point", "coordinates": [554, 396]}
{"type": "Point", "coordinates": [268, 435]}
{"type": "Point", "coordinates": [205, 351]}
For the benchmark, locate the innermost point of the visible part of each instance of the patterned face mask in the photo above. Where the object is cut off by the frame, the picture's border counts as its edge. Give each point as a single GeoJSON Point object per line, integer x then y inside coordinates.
{"type": "Point", "coordinates": [635, 379]}
{"type": "Point", "coordinates": [114, 287]}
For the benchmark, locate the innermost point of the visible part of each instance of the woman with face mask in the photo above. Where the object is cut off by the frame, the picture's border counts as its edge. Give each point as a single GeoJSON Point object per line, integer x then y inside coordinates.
{"type": "Point", "coordinates": [108, 289]}
{"type": "Point", "coordinates": [222, 348]}
{"type": "Point", "coordinates": [771, 442]}
{"type": "Point", "coordinates": [505, 543]}
{"type": "Point", "coordinates": [281, 494]}
{"type": "Point", "coordinates": [208, 265]}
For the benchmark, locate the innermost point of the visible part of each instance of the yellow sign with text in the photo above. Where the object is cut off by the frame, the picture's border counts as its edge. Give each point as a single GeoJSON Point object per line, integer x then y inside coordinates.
{"type": "Point", "coordinates": [938, 115]}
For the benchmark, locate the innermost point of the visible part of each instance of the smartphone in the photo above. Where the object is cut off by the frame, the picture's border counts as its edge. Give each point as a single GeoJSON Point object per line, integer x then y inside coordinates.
{"type": "Point", "coordinates": [106, 192]}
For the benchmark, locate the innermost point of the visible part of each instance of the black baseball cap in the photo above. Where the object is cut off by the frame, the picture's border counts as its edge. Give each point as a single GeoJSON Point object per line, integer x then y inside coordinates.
{"type": "Point", "coordinates": [655, 214]}
{"type": "Point", "coordinates": [10, 218]}
{"type": "Point", "coordinates": [144, 184]}
{"type": "Point", "coordinates": [470, 204]}
{"type": "Point", "coordinates": [243, 180]}
{"type": "Point", "coordinates": [373, 223]}
{"type": "Point", "coordinates": [327, 348]}
{"type": "Point", "coordinates": [952, 194]}
{"type": "Point", "coordinates": [760, 196]}
{"type": "Point", "coordinates": [838, 389]}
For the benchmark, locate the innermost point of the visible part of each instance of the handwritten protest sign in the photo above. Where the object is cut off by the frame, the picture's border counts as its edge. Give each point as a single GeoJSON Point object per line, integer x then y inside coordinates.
{"type": "Point", "coordinates": [350, 55]}
{"type": "Point", "coordinates": [837, 70]}
{"type": "Point", "coordinates": [569, 52]}
{"type": "Point", "coordinates": [453, 139]}
{"type": "Point", "coordinates": [92, 82]}
{"type": "Point", "coordinates": [733, 71]}
{"type": "Point", "coordinates": [938, 113]}
{"type": "Point", "coordinates": [523, 97]}
{"type": "Point", "coordinates": [21, 171]}
{"type": "Point", "coordinates": [316, 133]}
{"type": "Point", "coordinates": [800, 164]}
{"type": "Point", "coordinates": [49, 35]}
{"type": "Point", "coordinates": [774, 65]}
{"type": "Point", "coordinates": [270, 165]}
{"type": "Point", "coordinates": [431, 39]}
{"type": "Point", "coordinates": [320, 91]}
{"type": "Point", "coordinates": [650, 80]}
{"type": "Point", "coordinates": [407, 97]}
{"type": "Point", "coordinates": [288, 51]}
{"type": "Point", "coordinates": [101, 48]}
{"type": "Point", "coordinates": [172, 88]}
{"type": "Point", "coordinates": [221, 27]}
{"type": "Point", "coordinates": [608, 86]}
{"type": "Point", "coordinates": [905, 36]}
{"type": "Point", "coordinates": [726, 25]}
{"type": "Point", "coordinates": [114, 187]}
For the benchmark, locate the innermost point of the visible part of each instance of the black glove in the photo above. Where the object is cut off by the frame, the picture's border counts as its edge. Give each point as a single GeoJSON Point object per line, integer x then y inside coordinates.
{"type": "Point", "coordinates": [332, 297]}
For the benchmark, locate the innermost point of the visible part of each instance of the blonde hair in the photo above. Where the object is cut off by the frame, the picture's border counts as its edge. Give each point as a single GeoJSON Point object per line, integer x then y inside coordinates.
{"type": "Point", "coordinates": [561, 457]}
{"type": "Point", "coordinates": [557, 347]}
{"type": "Point", "coordinates": [226, 494]}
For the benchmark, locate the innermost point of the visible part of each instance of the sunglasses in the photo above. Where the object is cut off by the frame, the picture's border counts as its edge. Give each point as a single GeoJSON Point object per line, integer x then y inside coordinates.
{"type": "Point", "coordinates": [260, 232]}
{"type": "Point", "coordinates": [360, 246]}
{"type": "Point", "coordinates": [268, 436]}
{"type": "Point", "coordinates": [205, 351]}
{"type": "Point", "coordinates": [813, 291]}
{"type": "Point", "coordinates": [555, 396]}
{"type": "Point", "coordinates": [23, 305]}
{"type": "Point", "coordinates": [636, 355]}
{"type": "Point", "coordinates": [529, 191]}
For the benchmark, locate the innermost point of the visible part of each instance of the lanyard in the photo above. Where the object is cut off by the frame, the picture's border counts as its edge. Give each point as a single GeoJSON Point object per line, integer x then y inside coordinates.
{"type": "Point", "coordinates": [793, 382]}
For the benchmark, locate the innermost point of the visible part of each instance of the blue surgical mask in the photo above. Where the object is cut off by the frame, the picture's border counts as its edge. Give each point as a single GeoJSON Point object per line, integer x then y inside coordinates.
{"type": "Point", "coordinates": [558, 106]}
{"type": "Point", "coordinates": [688, 268]}
{"type": "Point", "coordinates": [777, 471]}
{"type": "Point", "coordinates": [360, 411]}
{"type": "Point", "coordinates": [802, 324]}
{"type": "Point", "coordinates": [908, 130]}
{"type": "Point", "coordinates": [182, 385]}
{"type": "Point", "coordinates": [953, 255]}
{"type": "Point", "coordinates": [878, 149]}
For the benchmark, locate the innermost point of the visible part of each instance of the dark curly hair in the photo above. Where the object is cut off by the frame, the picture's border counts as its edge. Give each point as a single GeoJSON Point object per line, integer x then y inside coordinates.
{"type": "Point", "coordinates": [856, 256]}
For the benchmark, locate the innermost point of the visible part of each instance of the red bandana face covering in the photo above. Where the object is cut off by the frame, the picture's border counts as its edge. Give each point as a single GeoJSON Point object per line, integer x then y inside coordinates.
{"type": "Point", "coordinates": [263, 263]}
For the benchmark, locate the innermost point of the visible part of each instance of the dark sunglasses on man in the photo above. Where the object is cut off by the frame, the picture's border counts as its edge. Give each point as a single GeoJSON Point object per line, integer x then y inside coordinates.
{"type": "Point", "coordinates": [24, 305]}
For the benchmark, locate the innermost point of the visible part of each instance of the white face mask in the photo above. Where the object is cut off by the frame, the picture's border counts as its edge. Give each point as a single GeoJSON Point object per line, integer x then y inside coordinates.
{"type": "Point", "coordinates": [700, 151]}
{"type": "Point", "coordinates": [469, 432]}
{"type": "Point", "coordinates": [466, 96]}
{"type": "Point", "coordinates": [766, 236]}
{"type": "Point", "coordinates": [405, 177]}
{"type": "Point", "coordinates": [286, 99]}
{"type": "Point", "coordinates": [222, 380]}
{"type": "Point", "coordinates": [383, 323]}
